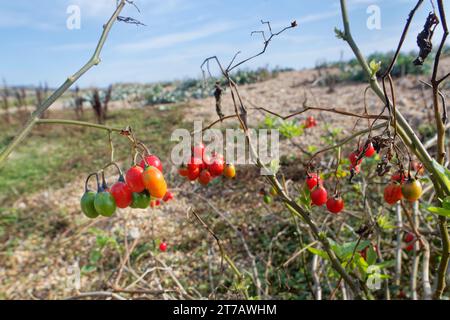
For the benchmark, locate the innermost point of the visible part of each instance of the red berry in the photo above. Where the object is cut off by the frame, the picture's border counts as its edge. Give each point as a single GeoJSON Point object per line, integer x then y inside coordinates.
{"type": "Point", "coordinates": [335, 204]}
{"type": "Point", "coordinates": [122, 194]}
{"type": "Point", "coordinates": [310, 122]}
{"type": "Point", "coordinates": [193, 173]}
{"type": "Point", "coordinates": [206, 161]}
{"type": "Point", "coordinates": [168, 196]}
{"type": "Point", "coordinates": [312, 179]}
{"type": "Point", "coordinates": [163, 246]}
{"type": "Point", "coordinates": [134, 179]}
{"type": "Point", "coordinates": [409, 237]}
{"type": "Point", "coordinates": [399, 177]}
{"type": "Point", "coordinates": [353, 157]}
{"type": "Point", "coordinates": [410, 247]}
{"type": "Point", "coordinates": [204, 177]}
{"type": "Point", "coordinates": [392, 193]}
{"type": "Point", "coordinates": [183, 170]}
{"type": "Point", "coordinates": [152, 160]}
{"type": "Point", "coordinates": [370, 150]}
{"type": "Point", "coordinates": [216, 167]}
{"type": "Point", "coordinates": [319, 196]}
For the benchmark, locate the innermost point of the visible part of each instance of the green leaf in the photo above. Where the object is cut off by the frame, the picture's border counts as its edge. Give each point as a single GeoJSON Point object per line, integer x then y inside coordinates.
{"type": "Point", "coordinates": [440, 211]}
{"type": "Point", "coordinates": [386, 264]}
{"type": "Point", "coordinates": [88, 268]}
{"type": "Point", "coordinates": [374, 67]}
{"type": "Point", "coordinates": [345, 250]}
{"type": "Point", "coordinates": [446, 203]}
{"type": "Point", "coordinates": [385, 223]}
{"type": "Point", "coordinates": [318, 252]}
{"type": "Point", "coordinates": [371, 256]}
{"type": "Point", "coordinates": [305, 197]}
{"type": "Point", "coordinates": [444, 173]}
{"type": "Point", "coordinates": [312, 149]}
{"type": "Point", "coordinates": [95, 256]}
{"type": "Point", "coordinates": [274, 166]}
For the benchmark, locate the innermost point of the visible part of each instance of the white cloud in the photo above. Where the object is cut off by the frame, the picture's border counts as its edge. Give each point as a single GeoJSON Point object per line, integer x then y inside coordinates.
{"type": "Point", "coordinates": [100, 8]}
{"type": "Point", "coordinates": [12, 19]}
{"type": "Point", "coordinates": [318, 17]}
{"type": "Point", "coordinates": [172, 39]}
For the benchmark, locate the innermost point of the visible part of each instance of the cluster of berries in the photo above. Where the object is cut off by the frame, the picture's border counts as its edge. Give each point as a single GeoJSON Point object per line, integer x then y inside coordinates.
{"type": "Point", "coordinates": [319, 195]}
{"type": "Point", "coordinates": [143, 185]}
{"type": "Point", "coordinates": [402, 186]}
{"type": "Point", "coordinates": [204, 168]}
{"type": "Point", "coordinates": [356, 157]}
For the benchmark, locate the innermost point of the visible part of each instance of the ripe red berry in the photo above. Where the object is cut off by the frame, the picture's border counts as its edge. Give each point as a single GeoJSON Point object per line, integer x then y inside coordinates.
{"type": "Point", "coordinates": [319, 196]}
{"type": "Point", "coordinates": [152, 160]}
{"type": "Point", "coordinates": [205, 177]}
{"type": "Point", "coordinates": [392, 193]}
{"type": "Point", "coordinates": [168, 196]}
{"type": "Point", "coordinates": [216, 167]}
{"type": "Point", "coordinates": [335, 204]}
{"type": "Point", "coordinates": [310, 122]}
{"type": "Point", "coordinates": [183, 170]}
{"type": "Point", "coordinates": [193, 173]}
{"type": "Point", "coordinates": [122, 194]}
{"type": "Point", "coordinates": [163, 246]}
{"type": "Point", "coordinates": [409, 237]}
{"type": "Point", "coordinates": [370, 150]}
{"type": "Point", "coordinates": [312, 179]}
{"type": "Point", "coordinates": [353, 157]}
{"type": "Point", "coordinates": [134, 179]}
{"type": "Point", "coordinates": [206, 161]}
{"type": "Point", "coordinates": [410, 247]}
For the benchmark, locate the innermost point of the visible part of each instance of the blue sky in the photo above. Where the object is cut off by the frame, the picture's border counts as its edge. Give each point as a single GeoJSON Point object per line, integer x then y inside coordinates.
{"type": "Point", "coordinates": [38, 47]}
